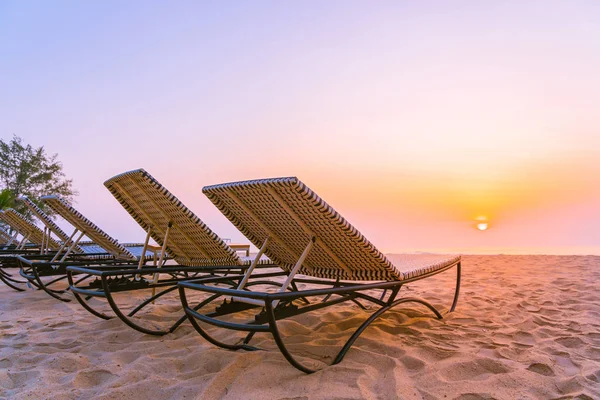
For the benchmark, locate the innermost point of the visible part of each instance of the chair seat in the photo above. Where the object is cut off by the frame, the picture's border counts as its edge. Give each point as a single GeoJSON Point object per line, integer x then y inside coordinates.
{"type": "Point", "coordinates": [413, 265]}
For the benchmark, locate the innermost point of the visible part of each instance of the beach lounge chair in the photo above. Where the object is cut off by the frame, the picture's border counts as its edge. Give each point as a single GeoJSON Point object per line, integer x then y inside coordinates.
{"type": "Point", "coordinates": [179, 232]}
{"type": "Point", "coordinates": [52, 228]}
{"type": "Point", "coordinates": [40, 243]}
{"type": "Point", "coordinates": [33, 241]}
{"type": "Point", "coordinates": [112, 252]}
{"type": "Point", "coordinates": [30, 233]}
{"type": "Point", "coordinates": [302, 234]}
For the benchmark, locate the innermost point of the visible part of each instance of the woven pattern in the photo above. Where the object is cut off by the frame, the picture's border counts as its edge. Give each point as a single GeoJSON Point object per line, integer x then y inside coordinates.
{"type": "Point", "coordinates": [290, 213]}
{"type": "Point", "coordinates": [27, 229]}
{"type": "Point", "coordinates": [86, 226]}
{"type": "Point", "coordinates": [91, 248]}
{"type": "Point", "coordinates": [413, 265]}
{"type": "Point", "coordinates": [272, 207]}
{"type": "Point", "coordinates": [4, 236]}
{"type": "Point", "coordinates": [190, 241]}
{"type": "Point", "coordinates": [46, 220]}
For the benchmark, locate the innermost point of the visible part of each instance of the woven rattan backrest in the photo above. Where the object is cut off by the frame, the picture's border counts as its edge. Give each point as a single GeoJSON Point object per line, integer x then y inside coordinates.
{"type": "Point", "coordinates": [46, 220]}
{"type": "Point", "coordinates": [26, 228]}
{"type": "Point", "coordinates": [290, 213]}
{"type": "Point", "coordinates": [4, 236]}
{"type": "Point", "coordinates": [190, 241]}
{"type": "Point", "coordinates": [91, 230]}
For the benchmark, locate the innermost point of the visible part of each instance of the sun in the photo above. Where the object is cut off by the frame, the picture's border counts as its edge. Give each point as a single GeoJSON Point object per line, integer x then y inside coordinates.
{"type": "Point", "coordinates": [482, 222]}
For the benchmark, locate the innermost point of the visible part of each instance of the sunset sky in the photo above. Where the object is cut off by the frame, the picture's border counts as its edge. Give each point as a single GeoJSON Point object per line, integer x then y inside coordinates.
{"type": "Point", "coordinates": [412, 119]}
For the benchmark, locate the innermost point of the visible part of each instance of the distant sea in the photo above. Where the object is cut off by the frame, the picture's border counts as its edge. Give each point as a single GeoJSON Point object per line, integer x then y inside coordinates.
{"type": "Point", "coordinates": [554, 250]}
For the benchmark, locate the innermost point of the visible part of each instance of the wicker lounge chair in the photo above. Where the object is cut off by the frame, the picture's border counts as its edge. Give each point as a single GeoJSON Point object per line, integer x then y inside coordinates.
{"type": "Point", "coordinates": [41, 244]}
{"type": "Point", "coordinates": [30, 233]}
{"type": "Point", "coordinates": [105, 252]}
{"type": "Point", "coordinates": [195, 248]}
{"type": "Point", "coordinates": [33, 241]}
{"type": "Point", "coordinates": [52, 228]}
{"type": "Point", "coordinates": [304, 235]}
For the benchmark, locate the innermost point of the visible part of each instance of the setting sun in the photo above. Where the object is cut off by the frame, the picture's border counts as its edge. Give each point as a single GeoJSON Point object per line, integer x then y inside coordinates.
{"type": "Point", "coordinates": [482, 222]}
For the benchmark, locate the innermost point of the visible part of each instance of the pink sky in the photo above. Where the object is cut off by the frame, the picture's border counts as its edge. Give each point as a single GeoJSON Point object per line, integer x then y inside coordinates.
{"type": "Point", "coordinates": [411, 119]}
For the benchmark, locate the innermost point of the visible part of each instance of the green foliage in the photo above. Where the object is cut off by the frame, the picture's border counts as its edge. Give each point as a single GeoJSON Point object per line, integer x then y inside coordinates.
{"type": "Point", "coordinates": [29, 171]}
{"type": "Point", "coordinates": [7, 199]}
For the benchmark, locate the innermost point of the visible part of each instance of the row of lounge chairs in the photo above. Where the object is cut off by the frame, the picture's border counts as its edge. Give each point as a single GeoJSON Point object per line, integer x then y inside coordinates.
{"type": "Point", "coordinates": [309, 257]}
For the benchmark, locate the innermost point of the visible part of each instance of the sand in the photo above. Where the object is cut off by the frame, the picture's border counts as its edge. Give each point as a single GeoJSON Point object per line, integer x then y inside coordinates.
{"type": "Point", "coordinates": [526, 327]}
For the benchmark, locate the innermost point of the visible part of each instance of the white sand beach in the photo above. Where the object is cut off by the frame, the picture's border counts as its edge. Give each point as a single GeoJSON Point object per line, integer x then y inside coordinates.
{"type": "Point", "coordinates": [526, 327]}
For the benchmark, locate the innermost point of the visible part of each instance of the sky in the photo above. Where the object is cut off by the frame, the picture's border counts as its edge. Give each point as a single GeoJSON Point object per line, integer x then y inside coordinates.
{"type": "Point", "coordinates": [415, 120]}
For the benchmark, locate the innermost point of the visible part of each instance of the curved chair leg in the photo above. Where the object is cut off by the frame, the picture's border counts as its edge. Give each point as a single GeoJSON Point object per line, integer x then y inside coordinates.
{"type": "Point", "coordinates": [288, 356]}
{"type": "Point", "coordinates": [279, 341]}
{"type": "Point", "coordinates": [382, 310]}
{"type": "Point", "coordinates": [60, 278]}
{"type": "Point", "coordinates": [457, 289]}
{"type": "Point", "coordinates": [376, 315]}
{"type": "Point", "coordinates": [123, 317]}
{"type": "Point", "coordinates": [90, 309]}
{"type": "Point", "coordinates": [150, 300]}
{"type": "Point", "coordinates": [340, 356]}
{"type": "Point", "coordinates": [12, 282]}
{"type": "Point", "coordinates": [41, 285]}
{"type": "Point", "coordinates": [202, 332]}
{"type": "Point", "coordinates": [85, 304]}
{"type": "Point", "coordinates": [127, 318]}
{"type": "Point", "coordinates": [197, 307]}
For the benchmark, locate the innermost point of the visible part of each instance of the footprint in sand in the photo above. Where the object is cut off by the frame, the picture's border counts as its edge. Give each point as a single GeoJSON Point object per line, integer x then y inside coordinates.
{"type": "Point", "coordinates": [524, 338]}
{"type": "Point", "coordinates": [474, 370]}
{"type": "Point", "coordinates": [541, 369]}
{"type": "Point", "coordinates": [594, 377]}
{"type": "Point", "coordinates": [5, 363]}
{"type": "Point", "coordinates": [568, 366]}
{"type": "Point", "coordinates": [67, 363]}
{"type": "Point", "coordinates": [20, 379]}
{"type": "Point", "coordinates": [412, 363]}
{"type": "Point", "coordinates": [570, 342]}
{"type": "Point", "coordinates": [88, 379]}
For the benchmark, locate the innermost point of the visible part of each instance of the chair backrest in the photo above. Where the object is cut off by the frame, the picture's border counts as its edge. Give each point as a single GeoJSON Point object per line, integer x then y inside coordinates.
{"type": "Point", "coordinates": [4, 236]}
{"type": "Point", "coordinates": [190, 241]}
{"type": "Point", "coordinates": [26, 228]}
{"type": "Point", "coordinates": [91, 230]}
{"type": "Point", "coordinates": [46, 220]}
{"type": "Point", "coordinates": [291, 214]}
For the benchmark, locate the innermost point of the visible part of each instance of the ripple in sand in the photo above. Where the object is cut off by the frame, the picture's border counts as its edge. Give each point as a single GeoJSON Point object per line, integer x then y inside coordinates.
{"type": "Point", "coordinates": [529, 307]}
{"type": "Point", "coordinates": [475, 396]}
